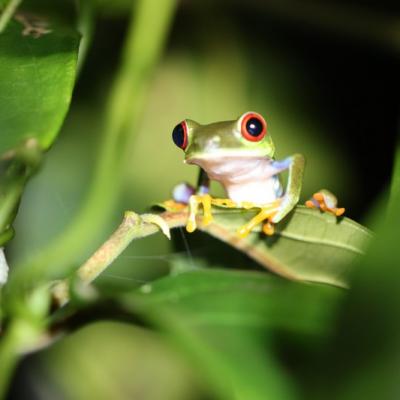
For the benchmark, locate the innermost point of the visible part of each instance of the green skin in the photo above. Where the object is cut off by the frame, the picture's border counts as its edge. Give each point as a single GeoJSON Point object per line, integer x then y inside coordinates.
{"type": "Point", "coordinates": [221, 144]}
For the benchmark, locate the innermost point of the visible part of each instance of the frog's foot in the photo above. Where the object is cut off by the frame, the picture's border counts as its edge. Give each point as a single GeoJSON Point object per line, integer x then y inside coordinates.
{"type": "Point", "coordinates": [265, 215]}
{"type": "Point", "coordinates": [268, 228]}
{"type": "Point", "coordinates": [172, 206]}
{"type": "Point", "coordinates": [194, 202]}
{"type": "Point", "coordinates": [325, 201]}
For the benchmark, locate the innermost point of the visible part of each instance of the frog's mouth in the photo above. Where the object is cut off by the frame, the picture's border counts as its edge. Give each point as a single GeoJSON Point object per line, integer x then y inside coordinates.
{"type": "Point", "coordinates": [223, 156]}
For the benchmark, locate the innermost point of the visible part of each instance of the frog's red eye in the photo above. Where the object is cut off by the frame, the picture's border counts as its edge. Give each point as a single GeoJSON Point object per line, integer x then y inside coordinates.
{"type": "Point", "coordinates": [254, 127]}
{"type": "Point", "coordinates": [180, 136]}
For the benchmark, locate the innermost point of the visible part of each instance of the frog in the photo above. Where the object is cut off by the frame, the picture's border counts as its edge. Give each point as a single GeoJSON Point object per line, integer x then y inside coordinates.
{"type": "Point", "coordinates": [240, 155]}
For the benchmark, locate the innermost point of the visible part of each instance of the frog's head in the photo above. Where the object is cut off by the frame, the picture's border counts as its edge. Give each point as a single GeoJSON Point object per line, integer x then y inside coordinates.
{"type": "Point", "coordinates": [243, 138]}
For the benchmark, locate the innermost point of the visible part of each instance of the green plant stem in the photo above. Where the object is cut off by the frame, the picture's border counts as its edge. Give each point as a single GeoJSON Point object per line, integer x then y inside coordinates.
{"type": "Point", "coordinates": [8, 13]}
{"type": "Point", "coordinates": [26, 160]}
{"type": "Point", "coordinates": [8, 358]}
{"type": "Point", "coordinates": [132, 227]}
{"type": "Point", "coordinates": [9, 202]}
{"type": "Point", "coordinates": [19, 336]}
{"type": "Point", "coordinates": [142, 50]}
{"type": "Point", "coordinates": [85, 25]}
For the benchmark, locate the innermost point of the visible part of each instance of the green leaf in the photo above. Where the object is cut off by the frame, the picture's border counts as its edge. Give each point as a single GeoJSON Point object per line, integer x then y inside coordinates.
{"type": "Point", "coordinates": [118, 361]}
{"type": "Point", "coordinates": [225, 320]}
{"type": "Point", "coordinates": [37, 64]}
{"type": "Point", "coordinates": [311, 246]}
{"type": "Point", "coordinates": [38, 75]}
{"type": "Point", "coordinates": [307, 245]}
{"type": "Point", "coordinates": [242, 298]}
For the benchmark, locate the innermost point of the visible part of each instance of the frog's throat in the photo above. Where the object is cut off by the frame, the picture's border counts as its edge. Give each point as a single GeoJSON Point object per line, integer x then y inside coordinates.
{"type": "Point", "coordinates": [249, 179]}
{"type": "Point", "coordinates": [229, 167]}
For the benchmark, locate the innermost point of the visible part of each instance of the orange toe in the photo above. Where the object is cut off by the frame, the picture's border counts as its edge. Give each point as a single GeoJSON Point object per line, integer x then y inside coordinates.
{"type": "Point", "coordinates": [319, 197]}
{"type": "Point", "coordinates": [310, 204]}
{"type": "Point", "coordinates": [340, 211]}
{"type": "Point", "coordinates": [324, 207]}
{"type": "Point", "coordinates": [268, 228]}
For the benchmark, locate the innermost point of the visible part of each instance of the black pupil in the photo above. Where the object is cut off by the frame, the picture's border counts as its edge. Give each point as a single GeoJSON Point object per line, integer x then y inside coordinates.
{"type": "Point", "coordinates": [254, 126]}
{"type": "Point", "coordinates": [178, 135]}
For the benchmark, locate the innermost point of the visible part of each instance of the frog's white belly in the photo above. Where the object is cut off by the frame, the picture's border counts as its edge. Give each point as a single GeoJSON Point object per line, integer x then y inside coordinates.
{"type": "Point", "coordinates": [256, 192]}
{"type": "Point", "coordinates": [252, 179]}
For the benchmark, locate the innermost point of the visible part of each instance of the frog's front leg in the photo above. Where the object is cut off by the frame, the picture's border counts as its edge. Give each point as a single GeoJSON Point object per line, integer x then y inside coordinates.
{"type": "Point", "coordinates": [264, 216]}
{"type": "Point", "coordinates": [293, 188]}
{"type": "Point", "coordinates": [194, 202]}
{"type": "Point", "coordinates": [196, 197]}
{"type": "Point", "coordinates": [273, 212]}
{"type": "Point", "coordinates": [207, 201]}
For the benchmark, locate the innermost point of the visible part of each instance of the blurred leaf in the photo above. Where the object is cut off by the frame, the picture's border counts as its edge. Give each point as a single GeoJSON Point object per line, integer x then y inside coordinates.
{"type": "Point", "coordinates": [38, 75]}
{"type": "Point", "coordinates": [242, 298]}
{"type": "Point", "coordinates": [224, 320]}
{"type": "Point", "coordinates": [374, 302]}
{"type": "Point", "coordinates": [364, 353]}
{"type": "Point", "coordinates": [116, 7]}
{"type": "Point", "coordinates": [38, 70]}
{"type": "Point", "coordinates": [118, 361]}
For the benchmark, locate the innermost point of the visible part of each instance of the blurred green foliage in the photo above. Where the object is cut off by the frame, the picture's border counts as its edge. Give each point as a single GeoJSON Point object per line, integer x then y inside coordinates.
{"type": "Point", "coordinates": [323, 79]}
{"type": "Point", "coordinates": [135, 363]}
{"type": "Point", "coordinates": [35, 107]}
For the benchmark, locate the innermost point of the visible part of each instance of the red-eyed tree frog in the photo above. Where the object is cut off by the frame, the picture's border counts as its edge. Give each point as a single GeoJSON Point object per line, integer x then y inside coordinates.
{"type": "Point", "coordinates": [240, 155]}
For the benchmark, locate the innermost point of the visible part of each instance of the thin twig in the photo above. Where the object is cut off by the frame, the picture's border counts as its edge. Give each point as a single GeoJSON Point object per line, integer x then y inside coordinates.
{"type": "Point", "coordinates": [85, 25]}
{"type": "Point", "coordinates": [132, 227]}
{"type": "Point", "coordinates": [8, 13]}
